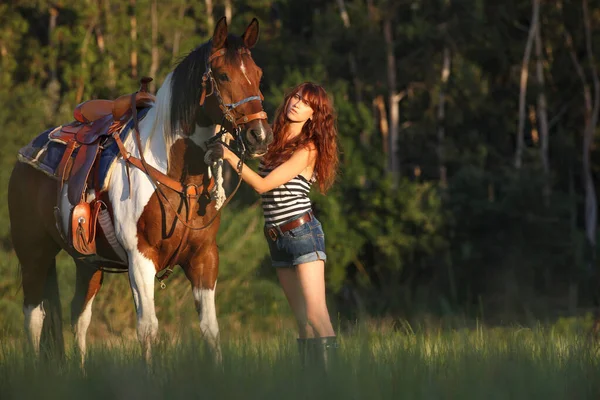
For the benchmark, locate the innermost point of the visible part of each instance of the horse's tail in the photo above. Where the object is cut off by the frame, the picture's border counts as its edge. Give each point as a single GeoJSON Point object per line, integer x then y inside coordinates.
{"type": "Point", "coordinates": [52, 342]}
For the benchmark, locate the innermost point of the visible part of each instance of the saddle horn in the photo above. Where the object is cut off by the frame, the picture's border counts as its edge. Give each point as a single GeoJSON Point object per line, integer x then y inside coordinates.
{"type": "Point", "coordinates": [144, 81]}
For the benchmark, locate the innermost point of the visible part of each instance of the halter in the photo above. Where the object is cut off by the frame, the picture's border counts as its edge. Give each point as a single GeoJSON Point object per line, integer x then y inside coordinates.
{"type": "Point", "coordinates": [228, 108]}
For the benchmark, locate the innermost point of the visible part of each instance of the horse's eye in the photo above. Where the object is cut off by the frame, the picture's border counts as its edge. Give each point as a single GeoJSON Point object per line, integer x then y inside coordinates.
{"type": "Point", "coordinates": [223, 78]}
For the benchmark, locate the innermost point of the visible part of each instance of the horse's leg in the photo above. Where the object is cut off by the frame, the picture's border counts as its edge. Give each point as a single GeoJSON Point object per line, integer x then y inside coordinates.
{"type": "Point", "coordinates": [202, 273]}
{"type": "Point", "coordinates": [41, 304]}
{"type": "Point", "coordinates": [141, 277]}
{"type": "Point", "coordinates": [87, 284]}
{"type": "Point", "coordinates": [36, 250]}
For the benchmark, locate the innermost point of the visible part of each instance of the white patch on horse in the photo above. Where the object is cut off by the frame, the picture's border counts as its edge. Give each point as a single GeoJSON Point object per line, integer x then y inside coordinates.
{"type": "Point", "coordinates": [205, 306]}
{"type": "Point", "coordinates": [34, 321]}
{"type": "Point", "coordinates": [243, 68]}
{"type": "Point", "coordinates": [201, 135]}
{"type": "Point", "coordinates": [141, 276]}
{"type": "Point", "coordinates": [81, 326]}
{"type": "Point", "coordinates": [128, 206]}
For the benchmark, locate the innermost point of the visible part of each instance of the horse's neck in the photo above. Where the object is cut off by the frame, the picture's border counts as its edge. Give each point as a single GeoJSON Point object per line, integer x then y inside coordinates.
{"type": "Point", "coordinates": [165, 150]}
{"type": "Point", "coordinates": [153, 145]}
{"type": "Point", "coordinates": [186, 155]}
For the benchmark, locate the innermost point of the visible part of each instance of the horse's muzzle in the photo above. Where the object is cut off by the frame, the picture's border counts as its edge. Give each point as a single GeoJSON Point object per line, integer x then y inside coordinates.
{"type": "Point", "coordinates": [258, 137]}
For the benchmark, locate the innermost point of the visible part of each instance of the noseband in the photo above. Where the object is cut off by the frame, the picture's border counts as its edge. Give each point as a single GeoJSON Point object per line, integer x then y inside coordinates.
{"type": "Point", "coordinates": [228, 109]}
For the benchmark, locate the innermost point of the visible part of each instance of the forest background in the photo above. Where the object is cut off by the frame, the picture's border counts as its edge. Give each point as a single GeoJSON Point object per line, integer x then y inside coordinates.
{"type": "Point", "coordinates": [468, 131]}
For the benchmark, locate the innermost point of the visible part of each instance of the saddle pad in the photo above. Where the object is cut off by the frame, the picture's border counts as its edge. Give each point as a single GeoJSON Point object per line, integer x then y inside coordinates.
{"type": "Point", "coordinates": [45, 154]}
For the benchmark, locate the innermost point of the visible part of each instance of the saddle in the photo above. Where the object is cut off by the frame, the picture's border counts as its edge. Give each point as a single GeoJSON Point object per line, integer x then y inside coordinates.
{"type": "Point", "coordinates": [94, 125]}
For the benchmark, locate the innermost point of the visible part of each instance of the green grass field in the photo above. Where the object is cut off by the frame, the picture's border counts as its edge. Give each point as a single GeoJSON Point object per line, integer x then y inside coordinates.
{"type": "Point", "coordinates": [437, 360]}
{"type": "Point", "coordinates": [544, 363]}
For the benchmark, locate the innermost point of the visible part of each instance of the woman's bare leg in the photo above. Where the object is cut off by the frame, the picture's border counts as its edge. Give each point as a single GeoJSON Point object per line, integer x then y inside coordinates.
{"type": "Point", "coordinates": [288, 279]}
{"type": "Point", "coordinates": [311, 278]}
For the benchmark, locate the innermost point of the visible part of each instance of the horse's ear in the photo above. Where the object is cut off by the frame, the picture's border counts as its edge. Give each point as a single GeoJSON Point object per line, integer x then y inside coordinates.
{"type": "Point", "coordinates": [220, 35]}
{"type": "Point", "coordinates": [251, 35]}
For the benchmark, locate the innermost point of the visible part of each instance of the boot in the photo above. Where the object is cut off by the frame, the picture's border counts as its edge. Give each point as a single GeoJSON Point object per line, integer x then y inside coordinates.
{"type": "Point", "coordinates": [322, 352]}
{"type": "Point", "coordinates": [302, 352]}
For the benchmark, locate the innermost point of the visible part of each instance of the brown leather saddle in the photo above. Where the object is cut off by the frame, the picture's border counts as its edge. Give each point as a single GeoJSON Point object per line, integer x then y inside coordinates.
{"type": "Point", "coordinates": [95, 122]}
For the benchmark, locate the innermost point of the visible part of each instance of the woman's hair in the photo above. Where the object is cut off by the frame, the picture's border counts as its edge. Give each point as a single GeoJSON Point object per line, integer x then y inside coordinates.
{"type": "Point", "coordinates": [319, 131]}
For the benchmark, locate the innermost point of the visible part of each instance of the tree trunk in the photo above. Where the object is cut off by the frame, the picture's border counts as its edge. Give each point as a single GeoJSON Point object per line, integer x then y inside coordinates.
{"type": "Point", "coordinates": [344, 13]}
{"type": "Point", "coordinates": [523, 89]}
{"type": "Point", "coordinates": [53, 88]}
{"type": "Point", "coordinates": [154, 64]}
{"type": "Point", "coordinates": [441, 116]}
{"type": "Point", "coordinates": [210, 20]}
{"type": "Point", "coordinates": [228, 11]}
{"type": "Point", "coordinates": [83, 66]}
{"type": "Point", "coordinates": [542, 114]}
{"type": "Point", "coordinates": [351, 58]}
{"type": "Point", "coordinates": [112, 75]}
{"type": "Point", "coordinates": [51, 26]}
{"type": "Point", "coordinates": [133, 59]}
{"type": "Point", "coordinates": [591, 104]}
{"type": "Point", "coordinates": [591, 203]}
{"type": "Point", "coordinates": [383, 126]}
{"type": "Point", "coordinates": [535, 136]}
{"type": "Point", "coordinates": [393, 99]}
{"type": "Point", "coordinates": [371, 10]}
{"type": "Point", "coordinates": [177, 36]}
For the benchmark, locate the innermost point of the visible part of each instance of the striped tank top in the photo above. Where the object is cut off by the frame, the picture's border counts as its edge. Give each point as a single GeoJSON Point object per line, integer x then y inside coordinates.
{"type": "Point", "coordinates": [286, 201]}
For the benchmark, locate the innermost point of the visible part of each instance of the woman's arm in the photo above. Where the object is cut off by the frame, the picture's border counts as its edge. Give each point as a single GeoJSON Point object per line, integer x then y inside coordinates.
{"type": "Point", "coordinates": [280, 175]}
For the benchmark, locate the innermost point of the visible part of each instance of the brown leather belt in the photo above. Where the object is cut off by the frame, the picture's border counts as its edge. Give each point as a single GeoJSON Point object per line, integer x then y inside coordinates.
{"type": "Point", "coordinates": [275, 231]}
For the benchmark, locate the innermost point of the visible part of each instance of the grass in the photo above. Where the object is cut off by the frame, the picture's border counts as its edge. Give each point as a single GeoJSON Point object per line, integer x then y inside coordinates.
{"type": "Point", "coordinates": [259, 349]}
{"type": "Point", "coordinates": [371, 363]}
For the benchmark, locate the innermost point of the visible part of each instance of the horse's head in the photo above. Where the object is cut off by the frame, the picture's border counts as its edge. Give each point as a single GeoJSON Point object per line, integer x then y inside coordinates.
{"type": "Point", "coordinates": [227, 91]}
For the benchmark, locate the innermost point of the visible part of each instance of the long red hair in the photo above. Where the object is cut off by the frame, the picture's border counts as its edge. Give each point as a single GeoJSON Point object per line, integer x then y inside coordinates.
{"type": "Point", "coordinates": [319, 131]}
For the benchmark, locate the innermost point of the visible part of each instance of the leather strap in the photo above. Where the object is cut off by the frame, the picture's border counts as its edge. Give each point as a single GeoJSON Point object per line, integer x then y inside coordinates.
{"type": "Point", "coordinates": [149, 169]}
{"type": "Point", "coordinates": [275, 231]}
{"type": "Point", "coordinates": [64, 162]}
{"type": "Point", "coordinates": [304, 218]}
{"type": "Point", "coordinates": [192, 200]}
{"type": "Point", "coordinates": [247, 118]}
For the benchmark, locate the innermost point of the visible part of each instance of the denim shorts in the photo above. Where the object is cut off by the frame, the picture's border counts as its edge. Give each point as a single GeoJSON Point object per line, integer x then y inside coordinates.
{"type": "Point", "coordinates": [300, 245]}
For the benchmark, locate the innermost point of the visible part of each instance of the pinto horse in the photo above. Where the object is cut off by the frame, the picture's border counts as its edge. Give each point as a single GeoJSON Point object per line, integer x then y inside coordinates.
{"type": "Point", "coordinates": [216, 84]}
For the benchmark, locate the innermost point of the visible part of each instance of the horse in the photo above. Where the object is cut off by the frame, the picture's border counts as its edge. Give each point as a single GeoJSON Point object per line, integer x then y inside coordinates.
{"type": "Point", "coordinates": [216, 84]}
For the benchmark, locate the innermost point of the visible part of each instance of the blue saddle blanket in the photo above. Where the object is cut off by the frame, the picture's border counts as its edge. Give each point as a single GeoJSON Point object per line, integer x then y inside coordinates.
{"type": "Point", "coordinates": [45, 154]}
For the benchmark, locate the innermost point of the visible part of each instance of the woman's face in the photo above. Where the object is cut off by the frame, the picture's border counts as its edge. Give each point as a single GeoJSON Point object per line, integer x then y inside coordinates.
{"type": "Point", "coordinates": [298, 110]}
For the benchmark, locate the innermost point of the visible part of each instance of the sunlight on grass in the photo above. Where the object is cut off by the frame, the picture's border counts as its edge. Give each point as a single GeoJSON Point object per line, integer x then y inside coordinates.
{"type": "Point", "coordinates": [462, 364]}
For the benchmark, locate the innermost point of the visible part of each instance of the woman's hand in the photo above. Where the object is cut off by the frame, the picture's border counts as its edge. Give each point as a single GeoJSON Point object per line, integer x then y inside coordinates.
{"type": "Point", "coordinates": [219, 152]}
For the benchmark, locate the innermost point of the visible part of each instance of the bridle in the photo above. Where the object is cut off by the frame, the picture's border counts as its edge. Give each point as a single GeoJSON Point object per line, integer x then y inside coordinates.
{"type": "Point", "coordinates": [191, 192]}
{"type": "Point", "coordinates": [228, 109]}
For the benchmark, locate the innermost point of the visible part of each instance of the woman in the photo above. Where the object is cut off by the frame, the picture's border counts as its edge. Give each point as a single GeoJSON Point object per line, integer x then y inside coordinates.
{"type": "Point", "coordinates": [304, 151]}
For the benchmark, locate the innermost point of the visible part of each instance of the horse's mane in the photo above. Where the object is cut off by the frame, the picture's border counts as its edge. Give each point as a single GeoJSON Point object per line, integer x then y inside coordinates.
{"type": "Point", "coordinates": [186, 83]}
{"type": "Point", "coordinates": [177, 101]}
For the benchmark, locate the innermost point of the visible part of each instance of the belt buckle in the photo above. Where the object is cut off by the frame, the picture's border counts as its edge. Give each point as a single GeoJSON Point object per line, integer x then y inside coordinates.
{"type": "Point", "coordinates": [272, 234]}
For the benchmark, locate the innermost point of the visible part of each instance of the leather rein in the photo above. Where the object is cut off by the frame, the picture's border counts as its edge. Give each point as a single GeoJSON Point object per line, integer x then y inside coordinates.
{"type": "Point", "coordinates": [191, 192]}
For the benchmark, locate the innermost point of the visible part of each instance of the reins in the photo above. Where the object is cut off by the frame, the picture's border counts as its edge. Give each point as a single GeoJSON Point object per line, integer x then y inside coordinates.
{"type": "Point", "coordinates": [190, 193]}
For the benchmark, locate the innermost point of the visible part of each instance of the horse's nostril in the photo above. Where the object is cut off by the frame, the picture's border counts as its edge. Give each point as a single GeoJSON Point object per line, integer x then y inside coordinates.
{"type": "Point", "coordinates": [254, 134]}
